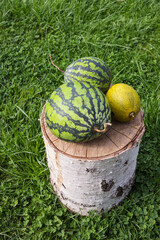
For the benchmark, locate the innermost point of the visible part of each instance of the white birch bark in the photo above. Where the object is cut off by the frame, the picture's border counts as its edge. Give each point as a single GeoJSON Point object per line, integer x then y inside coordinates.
{"type": "Point", "coordinates": [84, 186]}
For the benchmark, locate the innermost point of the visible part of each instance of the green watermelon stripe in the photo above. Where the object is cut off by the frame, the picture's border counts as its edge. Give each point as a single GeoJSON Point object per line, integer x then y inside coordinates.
{"type": "Point", "coordinates": [75, 109]}
{"type": "Point", "coordinates": [82, 76]}
{"type": "Point", "coordinates": [88, 94]}
{"type": "Point", "coordinates": [99, 68]}
{"type": "Point", "coordinates": [86, 77]}
{"type": "Point", "coordinates": [67, 78]}
{"type": "Point", "coordinates": [68, 116]}
{"type": "Point", "coordinates": [100, 100]}
{"type": "Point", "coordinates": [65, 128]}
{"type": "Point", "coordinates": [97, 60]}
{"type": "Point", "coordinates": [88, 59]}
{"type": "Point", "coordinates": [75, 133]}
{"type": "Point", "coordinates": [84, 106]}
{"type": "Point", "coordinates": [88, 71]}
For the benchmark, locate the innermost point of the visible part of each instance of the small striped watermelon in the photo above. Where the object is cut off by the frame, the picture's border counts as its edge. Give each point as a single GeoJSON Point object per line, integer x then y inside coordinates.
{"type": "Point", "coordinates": [77, 112]}
{"type": "Point", "coordinates": [90, 69]}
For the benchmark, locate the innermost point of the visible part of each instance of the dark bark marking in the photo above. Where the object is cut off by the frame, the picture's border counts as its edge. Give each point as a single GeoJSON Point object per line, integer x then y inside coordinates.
{"type": "Point", "coordinates": [118, 160]}
{"type": "Point", "coordinates": [119, 191]}
{"type": "Point", "coordinates": [106, 186]}
{"type": "Point", "coordinates": [90, 170]}
{"type": "Point", "coordinates": [126, 162]}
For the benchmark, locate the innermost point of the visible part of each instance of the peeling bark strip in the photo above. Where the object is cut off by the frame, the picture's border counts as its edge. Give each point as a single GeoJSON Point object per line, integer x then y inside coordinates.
{"type": "Point", "coordinates": [94, 175]}
{"type": "Point", "coordinates": [59, 174]}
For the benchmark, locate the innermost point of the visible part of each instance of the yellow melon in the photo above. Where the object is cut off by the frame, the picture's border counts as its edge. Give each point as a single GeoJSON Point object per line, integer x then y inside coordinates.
{"type": "Point", "coordinates": [124, 102]}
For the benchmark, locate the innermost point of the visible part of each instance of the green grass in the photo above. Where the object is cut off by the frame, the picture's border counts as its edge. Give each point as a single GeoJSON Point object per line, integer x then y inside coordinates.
{"type": "Point", "coordinates": [125, 34]}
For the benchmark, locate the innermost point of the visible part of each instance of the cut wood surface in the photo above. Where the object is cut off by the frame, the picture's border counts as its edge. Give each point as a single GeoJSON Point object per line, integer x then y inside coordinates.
{"type": "Point", "coordinates": [119, 137]}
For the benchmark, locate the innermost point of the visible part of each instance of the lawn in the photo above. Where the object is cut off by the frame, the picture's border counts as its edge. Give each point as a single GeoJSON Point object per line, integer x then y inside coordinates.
{"type": "Point", "coordinates": [124, 34]}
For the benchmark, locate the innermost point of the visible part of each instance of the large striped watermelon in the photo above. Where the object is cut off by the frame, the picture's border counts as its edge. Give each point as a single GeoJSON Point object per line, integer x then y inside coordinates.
{"type": "Point", "coordinates": [90, 69]}
{"type": "Point", "coordinates": [77, 112]}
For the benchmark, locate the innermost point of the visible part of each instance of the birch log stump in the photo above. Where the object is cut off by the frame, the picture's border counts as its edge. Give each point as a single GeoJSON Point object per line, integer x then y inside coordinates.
{"type": "Point", "coordinates": [96, 175]}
